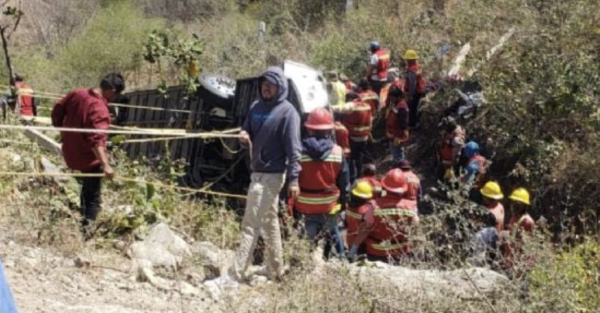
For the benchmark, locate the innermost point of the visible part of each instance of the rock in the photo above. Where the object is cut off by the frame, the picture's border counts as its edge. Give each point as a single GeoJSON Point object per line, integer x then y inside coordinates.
{"type": "Point", "coordinates": [213, 259]}
{"type": "Point", "coordinates": [82, 262]}
{"type": "Point", "coordinates": [161, 248]}
{"type": "Point", "coordinates": [428, 284]}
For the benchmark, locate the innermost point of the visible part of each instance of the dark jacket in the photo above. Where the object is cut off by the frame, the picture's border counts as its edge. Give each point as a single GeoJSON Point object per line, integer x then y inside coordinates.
{"type": "Point", "coordinates": [81, 109]}
{"type": "Point", "coordinates": [274, 129]}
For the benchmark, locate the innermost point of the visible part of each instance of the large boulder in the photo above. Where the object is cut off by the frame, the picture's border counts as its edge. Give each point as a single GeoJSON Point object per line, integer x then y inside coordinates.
{"type": "Point", "coordinates": [213, 259]}
{"type": "Point", "coordinates": [161, 248]}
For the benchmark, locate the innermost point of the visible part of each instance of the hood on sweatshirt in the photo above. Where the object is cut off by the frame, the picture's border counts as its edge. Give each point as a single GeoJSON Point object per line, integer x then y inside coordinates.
{"type": "Point", "coordinates": [317, 148]}
{"type": "Point", "coordinates": [275, 75]}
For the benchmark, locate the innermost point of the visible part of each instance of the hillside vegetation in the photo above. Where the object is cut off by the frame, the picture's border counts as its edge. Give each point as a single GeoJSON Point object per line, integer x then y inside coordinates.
{"type": "Point", "coordinates": [541, 125]}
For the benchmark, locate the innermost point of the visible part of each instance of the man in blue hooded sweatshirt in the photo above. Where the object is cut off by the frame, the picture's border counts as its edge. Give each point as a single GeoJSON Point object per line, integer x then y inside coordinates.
{"type": "Point", "coordinates": [272, 133]}
{"type": "Point", "coordinates": [7, 305]}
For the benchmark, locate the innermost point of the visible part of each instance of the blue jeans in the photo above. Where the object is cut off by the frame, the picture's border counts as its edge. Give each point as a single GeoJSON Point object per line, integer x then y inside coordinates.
{"type": "Point", "coordinates": [317, 226]}
{"type": "Point", "coordinates": [397, 151]}
{"type": "Point", "coordinates": [7, 305]}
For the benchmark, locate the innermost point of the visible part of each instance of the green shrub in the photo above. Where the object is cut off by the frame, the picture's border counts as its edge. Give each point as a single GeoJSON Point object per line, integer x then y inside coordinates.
{"type": "Point", "coordinates": [568, 282]}
{"type": "Point", "coordinates": [113, 41]}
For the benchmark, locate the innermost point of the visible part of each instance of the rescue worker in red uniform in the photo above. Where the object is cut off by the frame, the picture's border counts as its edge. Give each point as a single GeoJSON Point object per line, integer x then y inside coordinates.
{"type": "Point", "coordinates": [414, 86]}
{"type": "Point", "coordinates": [323, 180]}
{"type": "Point", "coordinates": [377, 71]}
{"type": "Point", "coordinates": [26, 101]}
{"type": "Point", "coordinates": [368, 96]}
{"type": "Point", "coordinates": [397, 123]}
{"type": "Point", "coordinates": [414, 191]}
{"type": "Point", "coordinates": [492, 194]}
{"type": "Point", "coordinates": [389, 227]}
{"type": "Point", "coordinates": [357, 119]}
{"type": "Point", "coordinates": [368, 176]}
{"type": "Point", "coordinates": [520, 227]}
{"type": "Point", "coordinates": [360, 205]}
{"type": "Point", "coordinates": [453, 141]}
{"type": "Point", "coordinates": [476, 171]}
{"type": "Point", "coordinates": [342, 137]}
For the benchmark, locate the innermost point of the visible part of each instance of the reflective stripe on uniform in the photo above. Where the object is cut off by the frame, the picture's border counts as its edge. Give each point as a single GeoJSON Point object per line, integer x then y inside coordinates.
{"type": "Point", "coordinates": [330, 158]}
{"type": "Point", "coordinates": [361, 108]}
{"type": "Point", "coordinates": [354, 215]}
{"type": "Point", "coordinates": [361, 128]}
{"type": "Point", "coordinates": [386, 246]}
{"type": "Point", "coordinates": [394, 211]}
{"type": "Point", "coordinates": [25, 91]}
{"type": "Point", "coordinates": [318, 200]}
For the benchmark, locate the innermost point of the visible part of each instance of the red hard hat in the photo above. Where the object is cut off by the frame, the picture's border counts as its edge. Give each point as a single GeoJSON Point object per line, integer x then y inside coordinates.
{"type": "Point", "coordinates": [319, 119]}
{"type": "Point", "coordinates": [394, 181]}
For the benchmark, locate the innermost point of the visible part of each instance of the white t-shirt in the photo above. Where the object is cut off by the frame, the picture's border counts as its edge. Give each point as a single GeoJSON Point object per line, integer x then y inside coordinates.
{"type": "Point", "coordinates": [374, 62]}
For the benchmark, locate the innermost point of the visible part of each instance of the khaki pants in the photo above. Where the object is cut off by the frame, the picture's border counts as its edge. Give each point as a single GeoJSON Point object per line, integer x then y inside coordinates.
{"type": "Point", "coordinates": [261, 217]}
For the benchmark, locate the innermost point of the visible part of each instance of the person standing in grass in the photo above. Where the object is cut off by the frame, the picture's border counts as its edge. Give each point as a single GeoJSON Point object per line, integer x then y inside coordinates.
{"type": "Point", "coordinates": [272, 133]}
{"type": "Point", "coordinates": [86, 152]}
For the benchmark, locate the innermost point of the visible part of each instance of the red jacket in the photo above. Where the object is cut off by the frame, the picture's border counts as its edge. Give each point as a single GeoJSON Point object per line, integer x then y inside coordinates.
{"type": "Point", "coordinates": [384, 63]}
{"type": "Point", "coordinates": [26, 98]}
{"type": "Point", "coordinates": [414, 185]}
{"type": "Point", "coordinates": [318, 183]}
{"type": "Point", "coordinates": [354, 217]}
{"type": "Point", "coordinates": [419, 84]}
{"type": "Point", "coordinates": [372, 99]}
{"type": "Point", "coordinates": [81, 109]}
{"type": "Point", "coordinates": [391, 217]}
{"type": "Point", "coordinates": [342, 138]}
{"type": "Point", "coordinates": [358, 121]}
{"type": "Point", "coordinates": [397, 121]}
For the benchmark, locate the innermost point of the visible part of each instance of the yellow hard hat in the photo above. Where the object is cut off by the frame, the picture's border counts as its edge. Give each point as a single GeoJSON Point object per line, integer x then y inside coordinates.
{"type": "Point", "coordinates": [520, 195]}
{"type": "Point", "coordinates": [411, 55]}
{"type": "Point", "coordinates": [363, 190]}
{"type": "Point", "coordinates": [492, 190]}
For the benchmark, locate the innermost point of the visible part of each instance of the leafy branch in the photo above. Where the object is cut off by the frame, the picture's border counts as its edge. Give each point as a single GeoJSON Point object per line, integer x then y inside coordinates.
{"type": "Point", "coordinates": [183, 53]}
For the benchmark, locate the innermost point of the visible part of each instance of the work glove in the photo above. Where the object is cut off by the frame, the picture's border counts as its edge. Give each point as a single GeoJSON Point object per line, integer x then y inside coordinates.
{"type": "Point", "coordinates": [397, 141]}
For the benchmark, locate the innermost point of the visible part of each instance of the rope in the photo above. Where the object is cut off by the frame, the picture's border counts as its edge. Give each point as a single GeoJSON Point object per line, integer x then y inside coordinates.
{"type": "Point", "coordinates": [120, 132]}
{"type": "Point", "coordinates": [42, 95]}
{"type": "Point", "coordinates": [222, 175]}
{"type": "Point", "coordinates": [225, 132]}
{"type": "Point", "coordinates": [125, 179]}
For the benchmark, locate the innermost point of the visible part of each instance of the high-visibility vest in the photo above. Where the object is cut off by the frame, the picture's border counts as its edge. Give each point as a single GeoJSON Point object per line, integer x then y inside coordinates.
{"type": "Point", "coordinates": [392, 124]}
{"type": "Point", "coordinates": [374, 183]}
{"type": "Point", "coordinates": [25, 94]}
{"type": "Point", "coordinates": [358, 121]}
{"type": "Point", "coordinates": [318, 190]}
{"type": "Point", "coordinates": [388, 238]}
{"type": "Point", "coordinates": [420, 84]}
{"type": "Point", "coordinates": [342, 138]}
{"type": "Point", "coordinates": [383, 65]}
{"type": "Point", "coordinates": [414, 185]}
{"type": "Point", "coordinates": [447, 146]}
{"type": "Point", "coordinates": [354, 217]}
{"type": "Point", "coordinates": [338, 93]}
{"type": "Point", "coordinates": [372, 99]}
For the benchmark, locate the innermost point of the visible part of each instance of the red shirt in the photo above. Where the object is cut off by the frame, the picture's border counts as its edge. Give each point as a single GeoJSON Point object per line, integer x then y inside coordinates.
{"type": "Point", "coordinates": [81, 109]}
{"type": "Point", "coordinates": [26, 97]}
{"type": "Point", "coordinates": [498, 210]}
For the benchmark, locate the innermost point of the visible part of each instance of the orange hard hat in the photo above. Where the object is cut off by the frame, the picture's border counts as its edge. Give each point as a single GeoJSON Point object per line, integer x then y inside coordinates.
{"type": "Point", "coordinates": [319, 119]}
{"type": "Point", "coordinates": [394, 181]}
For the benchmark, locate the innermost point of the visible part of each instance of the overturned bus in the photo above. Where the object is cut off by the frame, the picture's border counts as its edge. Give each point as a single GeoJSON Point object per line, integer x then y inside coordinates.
{"type": "Point", "coordinates": [219, 104]}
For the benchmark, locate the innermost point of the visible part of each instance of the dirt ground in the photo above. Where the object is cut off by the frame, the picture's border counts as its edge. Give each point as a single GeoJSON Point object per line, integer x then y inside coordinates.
{"type": "Point", "coordinates": [42, 281]}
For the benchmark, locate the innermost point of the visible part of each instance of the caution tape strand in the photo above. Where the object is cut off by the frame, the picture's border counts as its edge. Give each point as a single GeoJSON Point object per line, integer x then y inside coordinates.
{"type": "Point", "coordinates": [166, 132]}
